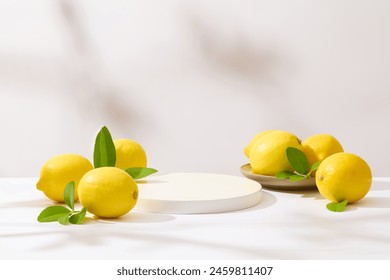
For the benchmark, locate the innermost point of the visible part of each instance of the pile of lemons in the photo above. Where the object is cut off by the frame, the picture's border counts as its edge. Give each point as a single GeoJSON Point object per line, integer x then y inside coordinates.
{"type": "Point", "coordinates": [106, 192]}
{"type": "Point", "coordinates": [341, 176]}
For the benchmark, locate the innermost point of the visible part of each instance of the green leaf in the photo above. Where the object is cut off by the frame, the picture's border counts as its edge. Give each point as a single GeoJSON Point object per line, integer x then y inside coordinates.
{"type": "Point", "coordinates": [298, 160]}
{"type": "Point", "coordinates": [104, 151]}
{"type": "Point", "coordinates": [337, 207]}
{"type": "Point", "coordinates": [69, 194]}
{"type": "Point", "coordinates": [140, 172]}
{"type": "Point", "coordinates": [78, 217]}
{"type": "Point", "coordinates": [331, 206]}
{"type": "Point", "coordinates": [52, 214]}
{"type": "Point", "coordinates": [341, 206]}
{"type": "Point", "coordinates": [284, 174]}
{"type": "Point", "coordinates": [314, 166]}
{"type": "Point", "coordinates": [64, 219]}
{"type": "Point", "coordinates": [296, 177]}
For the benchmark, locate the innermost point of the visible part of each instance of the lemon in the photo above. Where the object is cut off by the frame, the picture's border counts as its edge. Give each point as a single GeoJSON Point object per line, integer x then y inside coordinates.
{"type": "Point", "coordinates": [248, 147]}
{"type": "Point", "coordinates": [108, 192]}
{"type": "Point", "coordinates": [343, 176]}
{"type": "Point", "coordinates": [268, 155]}
{"type": "Point", "coordinates": [319, 146]}
{"type": "Point", "coordinates": [58, 171]}
{"type": "Point", "coordinates": [129, 154]}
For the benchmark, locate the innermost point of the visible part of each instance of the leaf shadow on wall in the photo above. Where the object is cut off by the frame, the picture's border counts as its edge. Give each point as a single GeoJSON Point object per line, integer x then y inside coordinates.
{"type": "Point", "coordinates": [90, 87]}
{"type": "Point", "coordinates": [262, 68]}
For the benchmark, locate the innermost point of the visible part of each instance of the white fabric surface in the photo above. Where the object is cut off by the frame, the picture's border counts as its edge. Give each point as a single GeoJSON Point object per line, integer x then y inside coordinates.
{"type": "Point", "coordinates": [283, 226]}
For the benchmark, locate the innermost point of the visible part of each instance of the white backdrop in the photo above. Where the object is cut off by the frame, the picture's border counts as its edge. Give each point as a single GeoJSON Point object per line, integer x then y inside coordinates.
{"type": "Point", "coordinates": [192, 81]}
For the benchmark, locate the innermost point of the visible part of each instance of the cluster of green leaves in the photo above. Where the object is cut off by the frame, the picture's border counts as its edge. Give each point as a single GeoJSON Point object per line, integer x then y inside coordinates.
{"type": "Point", "coordinates": [61, 214]}
{"type": "Point", "coordinates": [299, 163]}
{"type": "Point", "coordinates": [104, 155]}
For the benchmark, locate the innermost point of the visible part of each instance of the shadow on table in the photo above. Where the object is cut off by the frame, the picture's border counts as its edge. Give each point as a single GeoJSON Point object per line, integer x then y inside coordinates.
{"type": "Point", "coordinates": [132, 217]}
{"type": "Point", "coordinates": [267, 200]}
{"type": "Point", "coordinates": [150, 181]}
{"type": "Point", "coordinates": [303, 193]}
{"type": "Point", "coordinates": [126, 240]}
{"type": "Point", "coordinates": [135, 217]}
{"type": "Point", "coordinates": [380, 186]}
{"type": "Point", "coordinates": [27, 203]}
{"type": "Point", "coordinates": [373, 202]}
{"type": "Point", "coordinates": [366, 202]}
{"type": "Point", "coordinates": [370, 202]}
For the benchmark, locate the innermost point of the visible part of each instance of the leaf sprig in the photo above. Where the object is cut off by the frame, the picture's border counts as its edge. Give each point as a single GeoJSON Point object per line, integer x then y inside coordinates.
{"type": "Point", "coordinates": [299, 163]}
{"type": "Point", "coordinates": [61, 214]}
{"type": "Point", "coordinates": [104, 155]}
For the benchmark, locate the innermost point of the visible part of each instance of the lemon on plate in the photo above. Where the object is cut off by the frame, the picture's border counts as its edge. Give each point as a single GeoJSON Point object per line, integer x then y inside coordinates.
{"type": "Point", "coordinates": [249, 147]}
{"type": "Point", "coordinates": [319, 146]}
{"type": "Point", "coordinates": [268, 154]}
{"type": "Point", "coordinates": [108, 192]}
{"type": "Point", "coordinates": [129, 153]}
{"type": "Point", "coordinates": [58, 171]}
{"type": "Point", "coordinates": [343, 176]}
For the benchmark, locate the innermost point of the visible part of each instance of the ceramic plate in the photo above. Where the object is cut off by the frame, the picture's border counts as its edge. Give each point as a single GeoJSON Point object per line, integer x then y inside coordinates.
{"type": "Point", "coordinates": [271, 182]}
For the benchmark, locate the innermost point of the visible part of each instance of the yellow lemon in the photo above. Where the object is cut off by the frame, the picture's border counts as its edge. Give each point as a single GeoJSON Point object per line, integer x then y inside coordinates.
{"type": "Point", "coordinates": [343, 176]}
{"type": "Point", "coordinates": [129, 154]}
{"type": "Point", "coordinates": [248, 147]}
{"type": "Point", "coordinates": [319, 146]}
{"type": "Point", "coordinates": [108, 192]}
{"type": "Point", "coordinates": [58, 171]}
{"type": "Point", "coordinates": [268, 155]}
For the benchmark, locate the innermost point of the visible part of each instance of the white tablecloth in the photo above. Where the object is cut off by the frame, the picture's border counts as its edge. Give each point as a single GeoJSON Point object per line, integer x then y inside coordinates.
{"type": "Point", "coordinates": [285, 225]}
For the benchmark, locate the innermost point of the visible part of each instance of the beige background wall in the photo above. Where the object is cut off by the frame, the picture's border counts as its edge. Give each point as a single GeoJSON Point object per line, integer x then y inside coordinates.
{"type": "Point", "coordinates": [192, 81]}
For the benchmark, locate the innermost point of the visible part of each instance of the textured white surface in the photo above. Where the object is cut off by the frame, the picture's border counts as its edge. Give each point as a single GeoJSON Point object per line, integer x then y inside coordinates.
{"type": "Point", "coordinates": [283, 226]}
